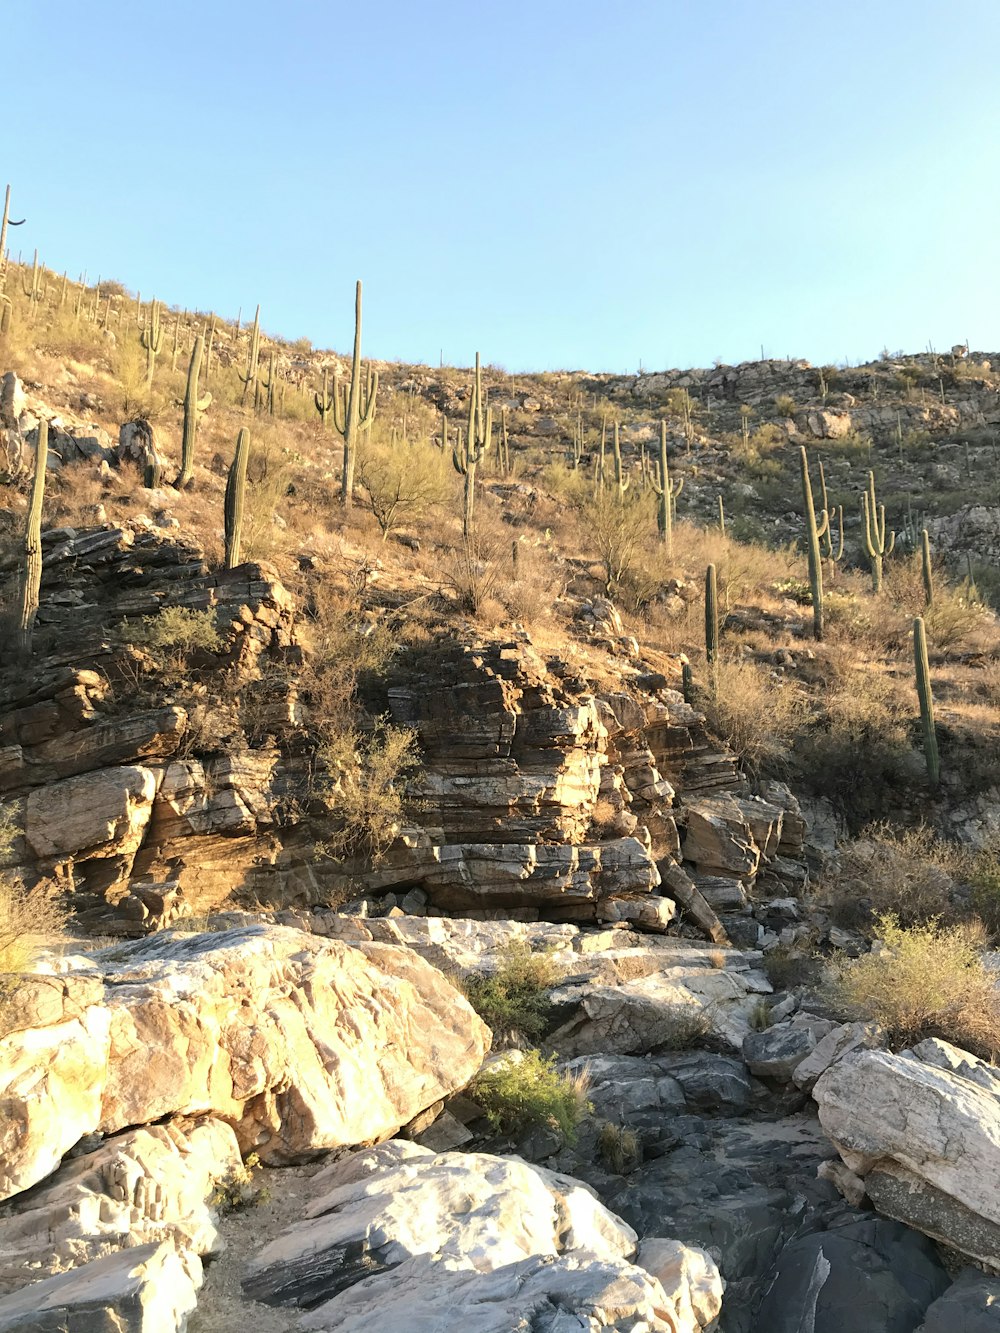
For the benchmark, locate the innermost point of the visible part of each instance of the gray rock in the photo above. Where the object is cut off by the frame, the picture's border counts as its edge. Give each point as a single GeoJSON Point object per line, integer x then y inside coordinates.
{"type": "Point", "coordinates": [777, 1051]}
{"type": "Point", "coordinates": [869, 1276]}
{"type": "Point", "coordinates": [970, 1305]}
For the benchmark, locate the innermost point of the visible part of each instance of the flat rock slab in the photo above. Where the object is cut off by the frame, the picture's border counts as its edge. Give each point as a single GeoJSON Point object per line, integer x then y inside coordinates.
{"type": "Point", "coordinates": [150, 1289]}
{"type": "Point", "coordinates": [300, 1044]}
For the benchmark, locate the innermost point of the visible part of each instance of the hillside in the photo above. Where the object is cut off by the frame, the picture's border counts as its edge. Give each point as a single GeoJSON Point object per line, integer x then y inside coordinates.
{"type": "Point", "coordinates": [293, 785]}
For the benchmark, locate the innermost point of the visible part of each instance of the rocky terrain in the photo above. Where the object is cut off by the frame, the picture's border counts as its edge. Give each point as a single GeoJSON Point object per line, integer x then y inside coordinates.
{"type": "Point", "coordinates": [295, 808]}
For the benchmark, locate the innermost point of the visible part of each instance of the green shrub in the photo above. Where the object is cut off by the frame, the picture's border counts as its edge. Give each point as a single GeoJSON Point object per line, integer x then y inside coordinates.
{"type": "Point", "coordinates": [519, 1094]}
{"type": "Point", "coordinates": [926, 980]}
{"type": "Point", "coordinates": [514, 1000]}
{"type": "Point", "coordinates": [172, 635]}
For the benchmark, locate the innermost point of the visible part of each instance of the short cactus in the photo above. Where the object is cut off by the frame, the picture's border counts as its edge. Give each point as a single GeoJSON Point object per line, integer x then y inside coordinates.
{"type": "Point", "coordinates": [236, 483]}
{"type": "Point", "coordinates": [324, 400]}
{"type": "Point", "coordinates": [193, 408]}
{"type": "Point", "coordinates": [31, 572]}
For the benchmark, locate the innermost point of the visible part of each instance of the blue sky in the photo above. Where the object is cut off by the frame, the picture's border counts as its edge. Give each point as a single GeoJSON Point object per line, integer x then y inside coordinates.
{"type": "Point", "coordinates": [560, 185]}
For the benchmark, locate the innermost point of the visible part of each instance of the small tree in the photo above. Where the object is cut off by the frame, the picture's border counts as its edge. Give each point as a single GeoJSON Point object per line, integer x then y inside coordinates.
{"type": "Point", "coordinates": [617, 527]}
{"type": "Point", "coordinates": [400, 482]}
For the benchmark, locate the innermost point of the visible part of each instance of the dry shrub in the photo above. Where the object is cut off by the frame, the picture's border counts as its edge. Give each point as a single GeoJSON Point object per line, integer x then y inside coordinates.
{"type": "Point", "coordinates": [857, 753]}
{"type": "Point", "coordinates": [926, 980]}
{"type": "Point", "coordinates": [620, 1149]}
{"type": "Point", "coordinates": [905, 873]}
{"type": "Point", "coordinates": [29, 920]}
{"type": "Point", "coordinates": [270, 475]}
{"type": "Point", "coordinates": [955, 618]}
{"type": "Point", "coordinates": [757, 714]}
{"type": "Point", "coordinates": [366, 778]}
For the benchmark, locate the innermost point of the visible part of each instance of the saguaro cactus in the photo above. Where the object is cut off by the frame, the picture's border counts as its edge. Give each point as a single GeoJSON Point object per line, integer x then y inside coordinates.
{"type": "Point", "coordinates": [469, 452]}
{"type": "Point", "coordinates": [31, 572]}
{"type": "Point", "coordinates": [621, 481]}
{"type": "Point", "coordinates": [253, 359]}
{"type": "Point", "coordinates": [324, 400]}
{"type": "Point", "coordinates": [355, 409]}
{"type": "Point", "coordinates": [8, 221]}
{"type": "Point", "coordinates": [875, 542]}
{"type": "Point", "coordinates": [151, 338]}
{"type": "Point", "coordinates": [711, 616]}
{"type": "Point", "coordinates": [925, 568]}
{"type": "Point", "coordinates": [193, 408]}
{"type": "Point", "coordinates": [503, 448]}
{"type": "Point", "coordinates": [667, 493]}
{"type": "Point", "coordinates": [236, 484]}
{"type": "Point", "coordinates": [6, 313]}
{"type": "Point", "coordinates": [32, 286]}
{"type": "Point", "coordinates": [815, 529]}
{"type": "Point", "coordinates": [923, 675]}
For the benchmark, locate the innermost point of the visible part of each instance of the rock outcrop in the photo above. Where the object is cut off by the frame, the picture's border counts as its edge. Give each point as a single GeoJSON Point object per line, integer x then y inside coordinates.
{"type": "Point", "coordinates": [300, 1044]}
{"type": "Point", "coordinates": [922, 1130]}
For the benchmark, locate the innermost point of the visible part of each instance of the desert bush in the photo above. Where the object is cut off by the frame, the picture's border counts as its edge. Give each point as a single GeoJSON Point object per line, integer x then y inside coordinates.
{"type": "Point", "coordinates": [172, 636]}
{"type": "Point", "coordinates": [925, 980]}
{"type": "Point", "coordinates": [527, 1092]}
{"type": "Point", "coordinates": [617, 528]}
{"type": "Point", "coordinates": [237, 1189]}
{"type": "Point", "coordinates": [981, 872]}
{"type": "Point", "coordinates": [513, 1000]}
{"type": "Point", "coordinates": [619, 1148]}
{"type": "Point", "coordinates": [401, 482]}
{"type": "Point", "coordinates": [271, 470]}
{"type": "Point", "coordinates": [365, 787]}
{"type": "Point", "coordinates": [481, 569]}
{"type": "Point", "coordinates": [757, 714]}
{"type": "Point", "coordinates": [788, 965]}
{"type": "Point", "coordinates": [29, 920]}
{"type": "Point", "coordinates": [856, 752]}
{"type": "Point", "coordinates": [784, 404]}
{"type": "Point", "coordinates": [905, 873]}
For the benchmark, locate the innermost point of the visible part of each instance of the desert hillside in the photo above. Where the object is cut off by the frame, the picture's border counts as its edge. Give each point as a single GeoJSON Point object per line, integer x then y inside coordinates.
{"type": "Point", "coordinates": [490, 850]}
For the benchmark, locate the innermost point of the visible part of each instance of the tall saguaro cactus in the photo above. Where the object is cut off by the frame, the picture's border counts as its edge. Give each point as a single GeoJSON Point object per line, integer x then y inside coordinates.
{"type": "Point", "coordinates": [712, 622]}
{"type": "Point", "coordinates": [923, 675]}
{"type": "Point", "coordinates": [31, 572]}
{"type": "Point", "coordinates": [621, 481]}
{"type": "Point", "coordinates": [236, 485]}
{"type": "Point", "coordinates": [8, 221]}
{"type": "Point", "coordinates": [193, 408]}
{"type": "Point", "coordinates": [926, 570]}
{"type": "Point", "coordinates": [815, 530]}
{"type": "Point", "coordinates": [355, 409]}
{"type": "Point", "coordinates": [253, 359]}
{"type": "Point", "coordinates": [875, 542]}
{"type": "Point", "coordinates": [151, 337]}
{"type": "Point", "coordinates": [469, 452]}
{"type": "Point", "coordinates": [667, 492]}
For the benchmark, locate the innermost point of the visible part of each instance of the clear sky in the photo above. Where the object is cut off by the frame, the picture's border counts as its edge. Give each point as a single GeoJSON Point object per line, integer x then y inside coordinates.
{"type": "Point", "coordinates": [560, 184]}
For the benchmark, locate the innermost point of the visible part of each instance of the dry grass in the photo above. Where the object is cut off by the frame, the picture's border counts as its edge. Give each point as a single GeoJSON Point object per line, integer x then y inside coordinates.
{"type": "Point", "coordinates": [29, 921]}
{"type": "Point", "coordinates": [926, 980]}
{"type": "Point", "coordinates": [757, 713]}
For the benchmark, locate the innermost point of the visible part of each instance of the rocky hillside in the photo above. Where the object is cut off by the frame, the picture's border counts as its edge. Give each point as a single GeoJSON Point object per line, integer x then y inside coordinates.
{"type": "Point", "coordinates": [300, 810]}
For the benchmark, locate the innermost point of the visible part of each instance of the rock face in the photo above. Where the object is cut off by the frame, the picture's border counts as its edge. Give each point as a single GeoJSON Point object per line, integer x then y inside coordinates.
{"type": "Point", "coordinates": [143, 1186]}
{"type": "Point", "coordinates": [412, 1239]}
{"type": "Point", "coordinates": [299, 1044]}
{"type": "Point", "coordinates": [151, 1289]}
{"type": "Point", "coordinates": [922, 1129]}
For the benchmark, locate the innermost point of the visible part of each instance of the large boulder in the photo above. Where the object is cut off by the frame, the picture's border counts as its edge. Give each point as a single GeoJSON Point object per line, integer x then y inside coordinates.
{"type": "Point", "coordinates": [405, 1238]}
{"type": "Point", "coordinates": [300, 1044]}
{"type": "Point", "coordinates": [922, 1129]}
